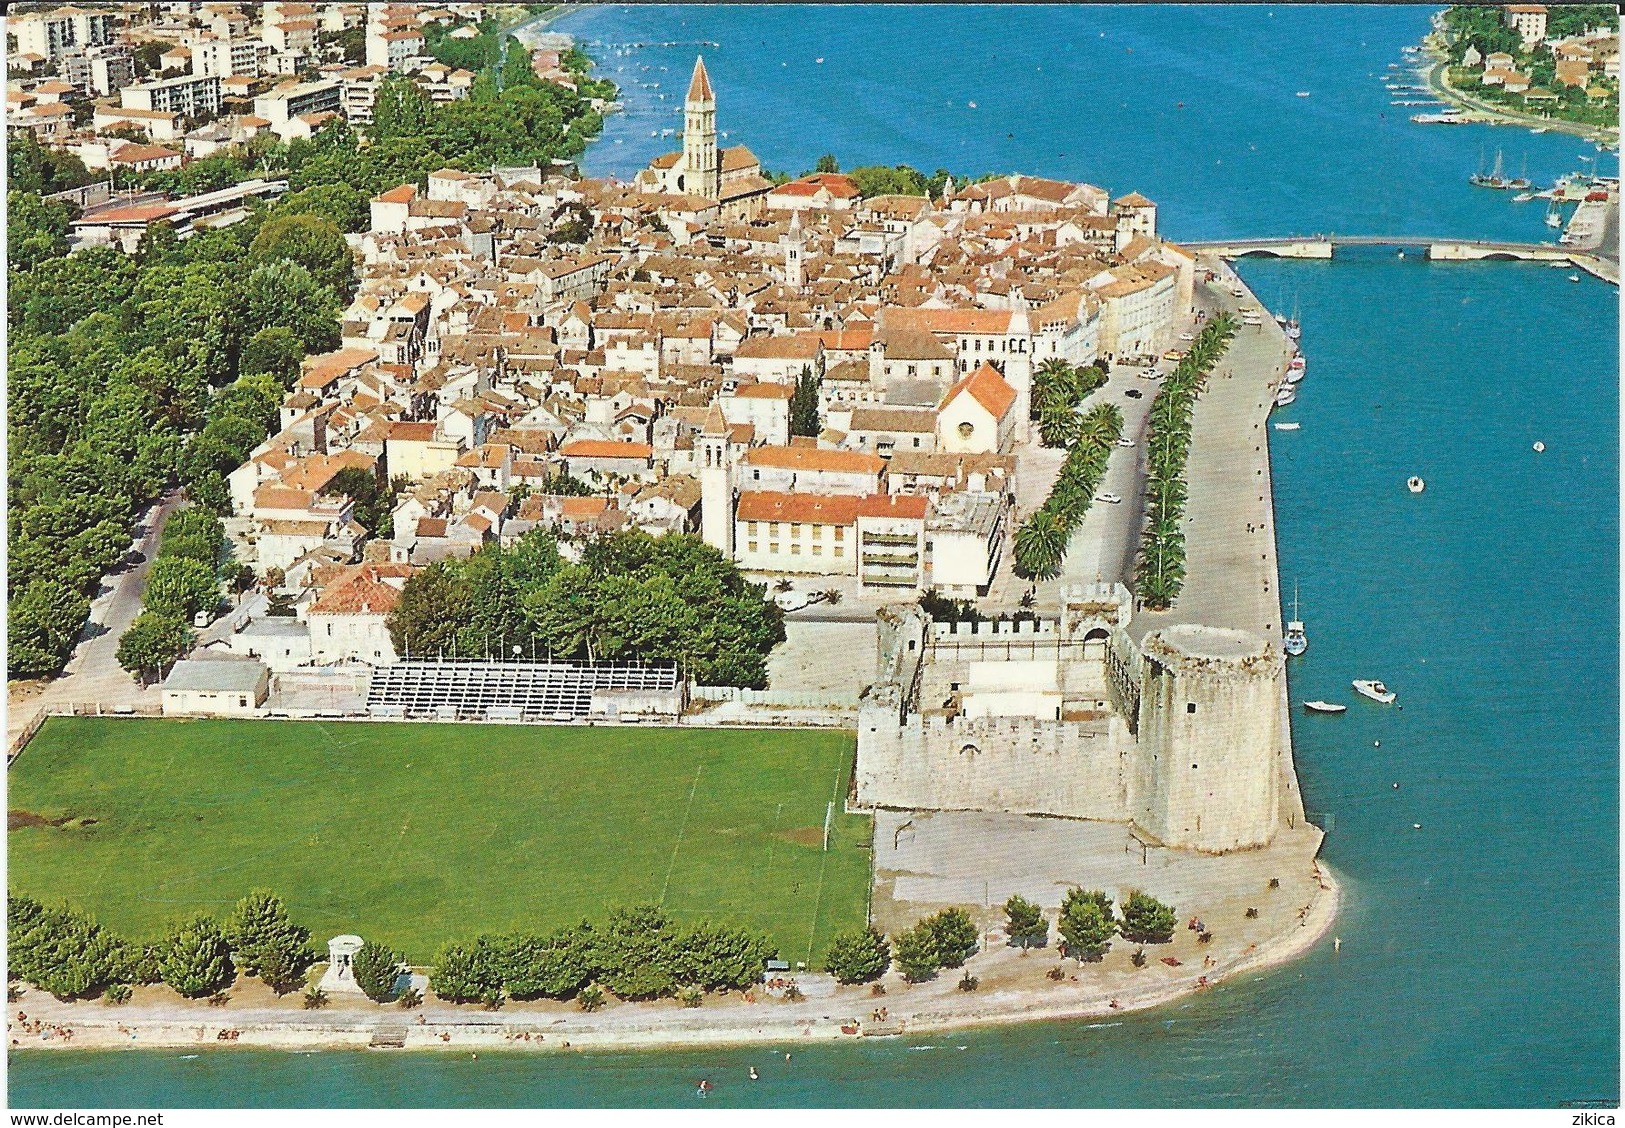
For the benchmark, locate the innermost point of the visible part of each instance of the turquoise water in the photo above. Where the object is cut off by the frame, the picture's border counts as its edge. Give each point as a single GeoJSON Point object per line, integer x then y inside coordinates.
{"type": "Point", "coordinates": [1480, 957]}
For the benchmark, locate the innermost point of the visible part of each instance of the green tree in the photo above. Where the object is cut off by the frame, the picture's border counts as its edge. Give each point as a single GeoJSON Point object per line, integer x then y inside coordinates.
{"type": "Point", "coordinates": [374, 504]}
{"type": "Point", "coordinates": [637, 953]}
{"type": "Point", "coordinates": [266, 943]}
{"type": "Point", "coordinates": [181, 587]}
{"type": "Point", "coordinates": [1025, 922]}
{"type": "Point", "coordinates": [466, 973]}
{"type": "Point", "coordinates": [43, 620]}
{"type": "Point", "coordinates": [804, 404]}
{"type": "Point", "coordinates": [155, 640]}
{"type": "Point", "coordinates": [285, 294]}
{"type": "Point", "coordinates": [954, 934]}
{"type": "Point", "coordinates": [915, 951]}
{"type": "Point", "coordinates": [342, 205]}
{"type": "Point", "coordinates": [376, 970]}
{"type": "Point", "coordinates": [1085, 928]}
{"type": "Point", "coordinates": [858, 956]}
{"type": "Point", "coordinates": [310, 241]}
{"type": "Point", "coordinates": [60, 951]}
{"type": "Point", "coordinates": [400, 109]}
{"type": "Point", "coordinates": [534, 967]}
{"type": "Point", "coordinates": [827, 163]}
{"type": "Point", "coordinates": [195, 958]}
{"type": "Point", "coordinates": [36, 229]}
{"type": "Point", "coordinates": [1147, 920]}
{"type": "Point", "coordinates": [273, 349]}
{"type": "Point", "coordinates": [710, 956]}
{"type": "Point", "coordinates": [1040, 546]}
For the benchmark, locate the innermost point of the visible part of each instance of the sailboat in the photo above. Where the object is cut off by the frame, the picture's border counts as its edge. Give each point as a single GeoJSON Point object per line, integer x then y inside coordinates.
{"type": "Point", "coordinates": [1293, 330]}
{"type": "Point", "coordinates": [1296, 641]}
{"type": "Point", "coordinates": [1494, 180]}
{"type": "Point", "coordinates": [1521, 181]}
{"type": "Point", "coordinates": [1554, 214]}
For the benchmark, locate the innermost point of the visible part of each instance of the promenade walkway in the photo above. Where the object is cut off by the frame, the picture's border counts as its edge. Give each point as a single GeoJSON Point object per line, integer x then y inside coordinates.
{"type": "Point", "coordinates": [1231, 570]}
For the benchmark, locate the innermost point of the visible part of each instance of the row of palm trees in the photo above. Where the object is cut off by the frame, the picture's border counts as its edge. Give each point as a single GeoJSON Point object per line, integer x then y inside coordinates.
{"type": "Point", "coordinates": [1059, 390]}
{"type": "Point", "coordinates": [1161, 571]}
{"type": "Point", "coordinates": [1041, 541]}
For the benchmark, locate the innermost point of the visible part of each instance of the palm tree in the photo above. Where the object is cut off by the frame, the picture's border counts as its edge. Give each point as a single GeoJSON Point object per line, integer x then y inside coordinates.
{"type": "Point", "coordinates": [1058, 424]}
{"type": "Point", "coordinates": [832, 596]}
{"type": "Point", "coordinates": [1040, 546]}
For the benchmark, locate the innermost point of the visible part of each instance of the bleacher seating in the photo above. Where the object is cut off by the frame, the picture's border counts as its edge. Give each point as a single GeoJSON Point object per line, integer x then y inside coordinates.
{"type": "Point", "coordinates": [511, 691]}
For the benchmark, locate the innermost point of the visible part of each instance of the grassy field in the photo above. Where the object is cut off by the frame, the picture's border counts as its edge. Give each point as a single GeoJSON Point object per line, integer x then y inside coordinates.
{"type": "Point", "coordinates": [418, 834]}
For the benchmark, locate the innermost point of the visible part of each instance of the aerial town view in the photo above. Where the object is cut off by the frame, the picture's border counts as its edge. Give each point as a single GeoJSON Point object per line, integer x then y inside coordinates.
{"type": "Point", "coordinates": [551, 563]}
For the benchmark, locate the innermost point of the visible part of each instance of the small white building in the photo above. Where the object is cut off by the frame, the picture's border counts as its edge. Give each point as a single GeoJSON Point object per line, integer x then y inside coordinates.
{"type": "Point", "coordinates": [216, 688]}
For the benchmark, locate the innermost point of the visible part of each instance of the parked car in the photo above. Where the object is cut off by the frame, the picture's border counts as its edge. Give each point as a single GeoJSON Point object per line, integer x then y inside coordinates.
{"type": "Point", "coordinates": [792, 600]}
{"type": "Point", "coordinates": [1133, 393]}
{"type": "Point", "coordinates": [1109, 498]}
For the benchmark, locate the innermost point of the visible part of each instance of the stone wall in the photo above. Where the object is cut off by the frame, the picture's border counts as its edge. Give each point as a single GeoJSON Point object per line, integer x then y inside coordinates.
{"type": "Point", "coordinates": [1017, 765]}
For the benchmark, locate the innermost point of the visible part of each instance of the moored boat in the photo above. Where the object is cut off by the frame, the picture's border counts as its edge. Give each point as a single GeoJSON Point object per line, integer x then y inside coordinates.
{"type": "Point", "coordinates": [1287, 426]}
{"type": "Point", "coordinates": [1376, 691]}
{"type": "Point", "coordinates": [1324, 707]}
{"type": "Point", "coordinates": [1296, 640]}
{"type": "Point", "coordinates": [1285, 396]}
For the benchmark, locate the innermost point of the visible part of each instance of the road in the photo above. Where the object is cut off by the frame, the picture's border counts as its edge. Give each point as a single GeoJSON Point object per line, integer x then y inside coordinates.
{"type": "Point", "coordinates": [93, 673]}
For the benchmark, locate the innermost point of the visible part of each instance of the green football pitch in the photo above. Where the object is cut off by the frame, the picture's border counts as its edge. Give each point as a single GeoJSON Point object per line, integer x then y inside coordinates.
{"type": "Point", "coordinates": [415, 834]}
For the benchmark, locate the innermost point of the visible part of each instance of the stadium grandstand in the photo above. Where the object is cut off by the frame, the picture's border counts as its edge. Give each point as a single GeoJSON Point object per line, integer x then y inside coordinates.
{"type": "Point", "coordinates": [463, 690]}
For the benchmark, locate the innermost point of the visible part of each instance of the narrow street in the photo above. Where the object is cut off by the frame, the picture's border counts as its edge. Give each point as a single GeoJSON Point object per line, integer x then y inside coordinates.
{"type": "Point", "coordinates": [93, 673]}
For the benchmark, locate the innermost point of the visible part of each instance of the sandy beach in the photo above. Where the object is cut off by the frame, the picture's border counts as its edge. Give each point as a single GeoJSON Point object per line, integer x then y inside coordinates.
{"type": "Point", "coordinates": [1015, 989]}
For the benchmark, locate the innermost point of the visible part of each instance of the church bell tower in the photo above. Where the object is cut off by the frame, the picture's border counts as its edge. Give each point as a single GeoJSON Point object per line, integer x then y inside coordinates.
{"type": "Point", "coordinates": [701, 169]}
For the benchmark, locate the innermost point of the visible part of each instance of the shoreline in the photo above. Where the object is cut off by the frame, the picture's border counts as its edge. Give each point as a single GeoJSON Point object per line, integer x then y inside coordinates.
{"type": "Point", "coordinates": [1486, 113]}
{"type": "Point", "coordinates": [938, 1006]}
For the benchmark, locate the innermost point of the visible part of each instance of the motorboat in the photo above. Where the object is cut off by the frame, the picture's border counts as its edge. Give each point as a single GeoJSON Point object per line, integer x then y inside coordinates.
{"type": "Point", "coordinates": [1540, 447]}
{"type": "Point", "coordinates": [1324, 707]}
{"type": "Point", "coordinates": [1287, 426]}
{"type": "Point", "coordinates": [1415, 484]}
{"type": "Point", "coordinates": [1523, 197]}
{"type": "Point", "coordinates": [1295, 641]}
{"type": "Point", "coordinates": [1376, 691]}
{"type": "Point", "coordinates": [1287, 395]}
{"type": "Point", "coordinates": [1574, 278]}
{"type": "Point", "coordinates": [1303, 93]}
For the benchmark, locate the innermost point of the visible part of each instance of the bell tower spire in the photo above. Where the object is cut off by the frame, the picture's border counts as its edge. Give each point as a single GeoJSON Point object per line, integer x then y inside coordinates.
{"type": "Point", "coordinates": [701, 169]}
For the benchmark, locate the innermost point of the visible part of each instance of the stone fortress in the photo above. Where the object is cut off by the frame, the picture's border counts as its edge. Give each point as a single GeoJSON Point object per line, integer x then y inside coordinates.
{"type": "Point", "coordinates": [1181, 732]}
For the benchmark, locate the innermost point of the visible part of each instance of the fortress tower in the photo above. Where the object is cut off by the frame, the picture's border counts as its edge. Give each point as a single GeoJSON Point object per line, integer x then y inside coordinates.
{"type": "Point", "coordinates": [701, 170]}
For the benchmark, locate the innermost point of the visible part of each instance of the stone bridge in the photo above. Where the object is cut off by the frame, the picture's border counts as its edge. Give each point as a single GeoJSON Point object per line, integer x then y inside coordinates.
{"type": "Point", "coordinates": [1436, 248]}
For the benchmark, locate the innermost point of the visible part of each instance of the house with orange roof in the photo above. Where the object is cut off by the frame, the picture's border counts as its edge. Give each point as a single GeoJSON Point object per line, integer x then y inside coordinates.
{"type": "Point", "coordinates": [348, 621]}
{"type": "Point", "coordinates": [820, 191]}
{"type": "Point", "coordinates": [597, 459]}
{"type": "Point", "coordinates": [419, 451]}
{"type": "Point", "coordinates": [780, 532]}
{"type": "Point", "coordinates": [780, 358]}
{"type": "Point", "coordinates": [811, 470]}
{"type": "Point", "coordinates": [978, 415]}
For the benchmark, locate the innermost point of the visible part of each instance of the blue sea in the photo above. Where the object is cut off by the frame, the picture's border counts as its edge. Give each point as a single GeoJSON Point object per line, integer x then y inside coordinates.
{"type": "Point", "coordinates": [1480, 954]}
